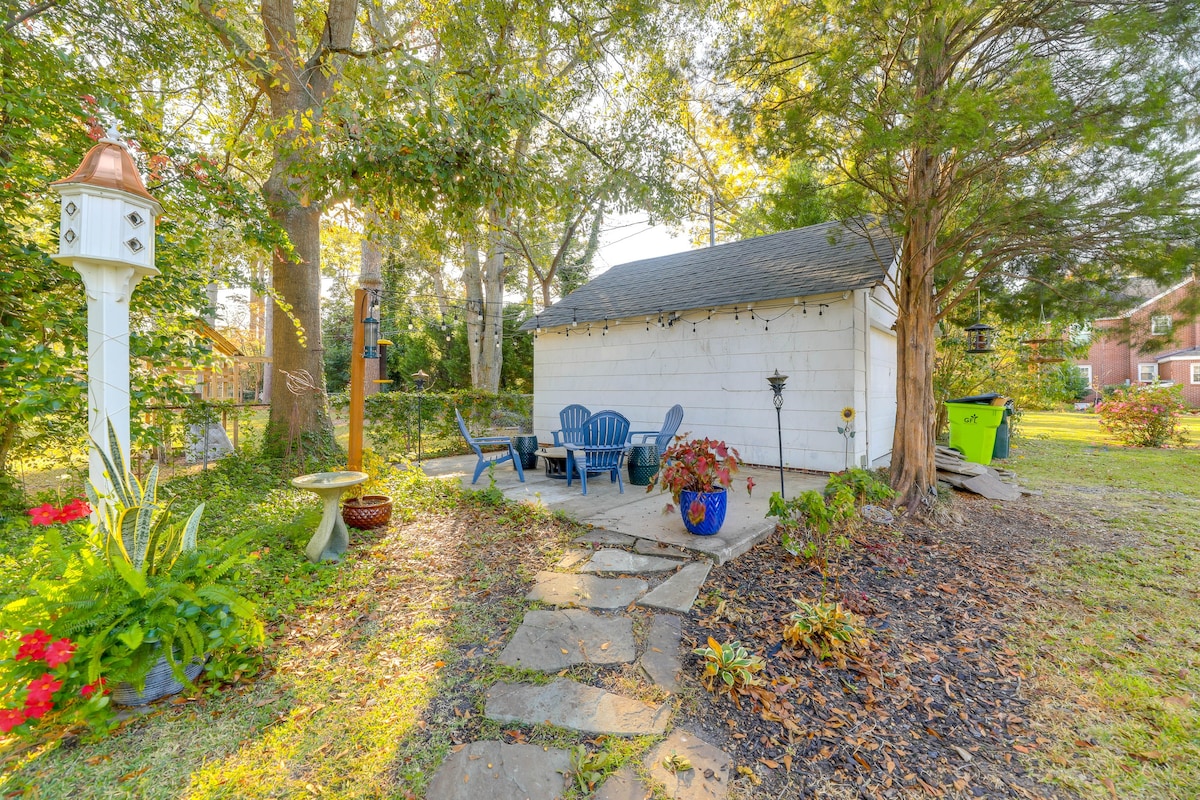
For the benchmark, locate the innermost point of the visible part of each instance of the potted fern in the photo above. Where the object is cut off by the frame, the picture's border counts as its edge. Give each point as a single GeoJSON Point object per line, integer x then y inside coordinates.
{"type": "Point", "coordinates": [144, 602]}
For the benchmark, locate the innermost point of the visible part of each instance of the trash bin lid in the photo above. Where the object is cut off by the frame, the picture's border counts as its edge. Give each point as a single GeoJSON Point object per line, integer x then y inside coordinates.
{"type": "Point", "coordinates": [977, 398]}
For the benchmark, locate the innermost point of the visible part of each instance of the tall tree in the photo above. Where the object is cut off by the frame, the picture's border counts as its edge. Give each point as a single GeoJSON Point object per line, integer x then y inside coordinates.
{"type": "Point", "coordinates": [1011, 145]}
{"type": "Point", "coordinates": [294, 57]}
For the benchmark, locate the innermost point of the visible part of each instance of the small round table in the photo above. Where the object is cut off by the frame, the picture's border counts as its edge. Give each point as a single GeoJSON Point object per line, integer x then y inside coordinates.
{"type": "Point", "coordinates": [643, 464]}
{"type": "Point", "coordinates": [331, 539]}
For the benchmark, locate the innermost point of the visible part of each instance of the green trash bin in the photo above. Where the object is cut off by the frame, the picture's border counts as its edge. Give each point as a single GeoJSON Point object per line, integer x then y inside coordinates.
{"type": "Point", "coordinates": [1003, 434]}
{"type": "Point", "coordinates": [973, 429]}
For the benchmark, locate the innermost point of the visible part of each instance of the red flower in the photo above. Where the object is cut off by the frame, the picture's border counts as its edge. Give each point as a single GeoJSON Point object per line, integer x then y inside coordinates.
{"type": "Point", "coordinates": [33, 646]}
{"type": "Point", "coordinates": [35, 709]}
{"type": "Point", "coordinates": [76, 509]}
{"type": "Point", "coordinates": [10, 718]}
{"type": "Point", "coordinates": [90, 689]}
{"type": "Point", "coordinates": [59, 652]}
{"type": "Point", "coordinates": [41, 689]}
{"type": "Point", "coordinates": [45, 514]}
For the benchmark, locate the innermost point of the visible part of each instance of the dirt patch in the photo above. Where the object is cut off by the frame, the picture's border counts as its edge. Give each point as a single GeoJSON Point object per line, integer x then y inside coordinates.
{"type": "Point", "coordinates": [935, 707]}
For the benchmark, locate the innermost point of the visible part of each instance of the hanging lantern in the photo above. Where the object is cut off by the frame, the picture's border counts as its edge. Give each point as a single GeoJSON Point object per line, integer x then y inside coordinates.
{"type": "Point", "coordinates": [979, 338]}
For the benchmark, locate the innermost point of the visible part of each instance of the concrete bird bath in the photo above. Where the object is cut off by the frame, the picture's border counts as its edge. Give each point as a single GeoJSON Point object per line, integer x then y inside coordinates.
{"type": "Point", "coordinates": [331, 539]}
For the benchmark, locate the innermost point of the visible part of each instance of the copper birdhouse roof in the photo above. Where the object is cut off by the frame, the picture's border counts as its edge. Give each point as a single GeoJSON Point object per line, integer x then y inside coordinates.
{"type": "Point", "coordinates": [109, 164]}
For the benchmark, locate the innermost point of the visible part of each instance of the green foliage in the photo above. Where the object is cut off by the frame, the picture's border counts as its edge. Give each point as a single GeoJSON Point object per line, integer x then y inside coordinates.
{"type": "Point", "coordinates": [133, 526]}
{"type": "Point", "coordinates": [590, 767]}
{"type": "Point", "coordinates": [136, 587]}
{"type": "Point", "coordinates": [826, 630]}
{"type": "Point", "coordinates": [727, 667]}
{"type": "Point", "coordinates": [868, 487]}
{"type": "Point", "coordinates": [1144, 416]}
{"type": "Point", "coordinates": [812, 524]}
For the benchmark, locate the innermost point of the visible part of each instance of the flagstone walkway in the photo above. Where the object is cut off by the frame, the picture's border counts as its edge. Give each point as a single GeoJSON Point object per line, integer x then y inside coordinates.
{"type": "Point", "coordinates": [590, 625]}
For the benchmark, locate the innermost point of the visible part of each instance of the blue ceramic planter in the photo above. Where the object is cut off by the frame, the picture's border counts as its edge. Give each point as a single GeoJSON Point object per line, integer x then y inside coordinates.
{"type": "Point", "coordinates": [715, 504]}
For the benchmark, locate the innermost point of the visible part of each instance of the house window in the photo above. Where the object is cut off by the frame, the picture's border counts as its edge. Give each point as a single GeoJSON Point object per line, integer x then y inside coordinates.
{"type": "Point", "coordinates": [1086, 371]}
{"type": "Point", "coordinates": [1147, 373]}
{"type": "Point", "coordinates": [1195, 372]}
{"type": "Point", "coordinates": [1160, 325]}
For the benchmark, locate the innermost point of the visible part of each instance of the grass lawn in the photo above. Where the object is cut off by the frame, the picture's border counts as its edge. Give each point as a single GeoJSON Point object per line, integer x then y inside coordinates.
{"type": "Point", "coordinates": [1116, 649]}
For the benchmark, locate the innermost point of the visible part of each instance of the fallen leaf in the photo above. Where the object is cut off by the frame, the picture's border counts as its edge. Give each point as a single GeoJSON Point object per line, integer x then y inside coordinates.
{"type": "Point", "coordinates": [605, 645]}
{"type": "Point", "coordinates": [1177, 702]}
{"type": "Point", "coordinates": [1108, 784]}
{"type": "Point", "coordinates": [769, 763]}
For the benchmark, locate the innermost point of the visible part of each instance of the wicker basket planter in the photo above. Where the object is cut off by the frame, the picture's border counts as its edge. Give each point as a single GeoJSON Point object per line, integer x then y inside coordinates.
{"type": "Point", "coordinates": [367, 512]}
{"type": "Point", "coordinates": [160, 683]}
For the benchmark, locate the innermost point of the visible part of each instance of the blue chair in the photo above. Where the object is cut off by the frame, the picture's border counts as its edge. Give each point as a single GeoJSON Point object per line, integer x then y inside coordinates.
{"type": "Point", "coordinates": [605, 437]}
{"type": "Point", "coordinates": [479, 442]}
{"type": "Point", "coordinates": [662, 437]}
{"type": "Point", "coordinates": [570, 420]}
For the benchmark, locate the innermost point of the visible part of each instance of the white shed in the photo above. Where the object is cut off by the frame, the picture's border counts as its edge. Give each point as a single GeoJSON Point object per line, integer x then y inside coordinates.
{"type": "Point", "coordinates": [707, 327]}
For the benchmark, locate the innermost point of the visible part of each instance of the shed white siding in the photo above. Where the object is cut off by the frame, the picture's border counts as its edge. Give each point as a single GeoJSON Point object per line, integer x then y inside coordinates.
{"type": "Point", "coordinates": [716, 367]}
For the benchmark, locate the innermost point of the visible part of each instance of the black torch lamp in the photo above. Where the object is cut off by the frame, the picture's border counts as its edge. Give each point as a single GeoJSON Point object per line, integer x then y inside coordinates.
{"type": "Point", "coordinates": [421, 379]}
{"type": "Point", "coordinates": [777, 382]}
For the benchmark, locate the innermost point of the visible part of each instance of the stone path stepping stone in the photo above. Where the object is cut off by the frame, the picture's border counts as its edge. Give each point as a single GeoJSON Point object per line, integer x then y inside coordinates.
{"type": "Point", "coordinates": [624, 784]}
{"type": "Point", "coordinates": [660, 661]}
{"type": "Point", "coordinates": [678, 592]}
{"type": "Point", "coordinates": [622, 561]}
{"type": "Point", "coordinates": [573, 557]}
{"type": "Point", "coordinates": [589, 591]}
{"type": "Point", "coordinates": [571, 705]}
{"type": "Point", "coordinates": [649, 547]}
{"type": "Point", "coordinates": [553, 640]}
{"type": "Point", "coordinates": [601, 536]}
{"type": "Point", "coordinates": [708, 779]}
{"type": "Point", "coordinates": [501, 771]}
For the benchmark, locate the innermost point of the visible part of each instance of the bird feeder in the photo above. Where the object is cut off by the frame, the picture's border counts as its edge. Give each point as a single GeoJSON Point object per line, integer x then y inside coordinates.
{"type": "Point", "coordinates": [106, 233]}
{"type": "Point", "coordinates": [979, 338]}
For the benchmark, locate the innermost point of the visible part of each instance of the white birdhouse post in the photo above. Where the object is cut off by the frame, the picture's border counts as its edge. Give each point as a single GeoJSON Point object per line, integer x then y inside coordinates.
{"type": "Point", "coordinates": [107, 234]}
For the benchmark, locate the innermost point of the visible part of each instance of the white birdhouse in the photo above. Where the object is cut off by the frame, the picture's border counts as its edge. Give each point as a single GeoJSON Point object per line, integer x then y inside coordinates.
{"type": "Point", "coordinates": [107, 235]}
{"type": "Point", "coordinates": [107, 214]}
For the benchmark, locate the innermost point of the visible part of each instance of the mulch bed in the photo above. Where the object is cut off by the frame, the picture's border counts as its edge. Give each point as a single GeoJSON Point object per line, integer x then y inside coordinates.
{"type": "Point", "coordinates": [935, 708]}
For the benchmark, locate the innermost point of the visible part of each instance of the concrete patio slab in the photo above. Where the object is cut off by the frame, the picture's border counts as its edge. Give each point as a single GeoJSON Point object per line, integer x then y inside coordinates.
{"type": "Point", "coordinates": [638, 514]}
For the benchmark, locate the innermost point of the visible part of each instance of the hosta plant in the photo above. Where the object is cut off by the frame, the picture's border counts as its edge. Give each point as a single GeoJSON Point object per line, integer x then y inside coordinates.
{"type": "Point", "coordinates": [727, 667]}
{"type": "Point", "coordinates": [826, 630]}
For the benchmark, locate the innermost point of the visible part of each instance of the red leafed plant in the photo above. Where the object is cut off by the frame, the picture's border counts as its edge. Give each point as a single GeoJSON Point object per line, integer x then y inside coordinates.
{"type": "Point", "coordinates": [698, 465]}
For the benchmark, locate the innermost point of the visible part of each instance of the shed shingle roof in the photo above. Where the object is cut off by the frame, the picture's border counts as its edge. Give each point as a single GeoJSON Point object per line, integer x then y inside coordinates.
{"type": "Point", "coordinates": [829, 257]}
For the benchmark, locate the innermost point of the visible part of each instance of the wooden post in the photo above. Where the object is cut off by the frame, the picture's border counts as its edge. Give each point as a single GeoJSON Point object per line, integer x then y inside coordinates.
{"type": "Point", "coordinates": [357, 385]}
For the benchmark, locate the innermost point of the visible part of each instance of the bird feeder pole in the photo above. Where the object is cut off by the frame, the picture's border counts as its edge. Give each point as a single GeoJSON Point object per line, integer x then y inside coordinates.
{"type": "Point", "coordinates": [106, 233]}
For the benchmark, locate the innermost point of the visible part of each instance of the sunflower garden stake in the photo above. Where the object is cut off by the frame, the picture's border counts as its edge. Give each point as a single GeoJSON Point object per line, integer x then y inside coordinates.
{"type": "Point", "coordinates": [846, 429]}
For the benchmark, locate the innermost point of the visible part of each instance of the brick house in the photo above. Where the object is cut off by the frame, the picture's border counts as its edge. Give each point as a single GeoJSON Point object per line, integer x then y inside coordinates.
{"type": "Point", "coordinates": [1156, 340]}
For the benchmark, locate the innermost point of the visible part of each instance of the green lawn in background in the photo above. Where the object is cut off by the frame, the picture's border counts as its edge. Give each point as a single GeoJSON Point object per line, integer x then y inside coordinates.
{"type": "Point", "coordinates": [1115, 653]}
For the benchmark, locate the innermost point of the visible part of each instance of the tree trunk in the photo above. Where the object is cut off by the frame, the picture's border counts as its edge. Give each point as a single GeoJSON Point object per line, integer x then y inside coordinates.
{"type": "Point", "coordinates": [473, 284]}
{"type": "Point", "coordinates": [299, 411]}
{"type": "Point", "coordinates": [491, 356]}
{"type": "Point", "coordinates": [913, 473]}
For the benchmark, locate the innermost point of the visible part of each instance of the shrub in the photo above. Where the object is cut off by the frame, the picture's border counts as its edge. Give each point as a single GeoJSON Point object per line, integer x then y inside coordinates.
{"type": "Point", "coordinates": [813, 524]}
{"type": "Point", "coordinates": [826, 630]}
{"type": "Point", "coordinates": [867, 487]}
{"type": "Point", "coordinates": [1143, 416]}
{"type": "Point", "coordinates": [728, 667]}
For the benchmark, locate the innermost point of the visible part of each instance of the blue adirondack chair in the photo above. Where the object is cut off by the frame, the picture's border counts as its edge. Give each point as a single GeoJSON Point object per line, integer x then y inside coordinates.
{"type": "Point", "coordinates": [663, 436]}
{"type": "Point", "coordinates": [571, 421]}
{"type": "Point", "coordinates": [477, 444]}
{"type": "Point", "coordinates": [605, 437]}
